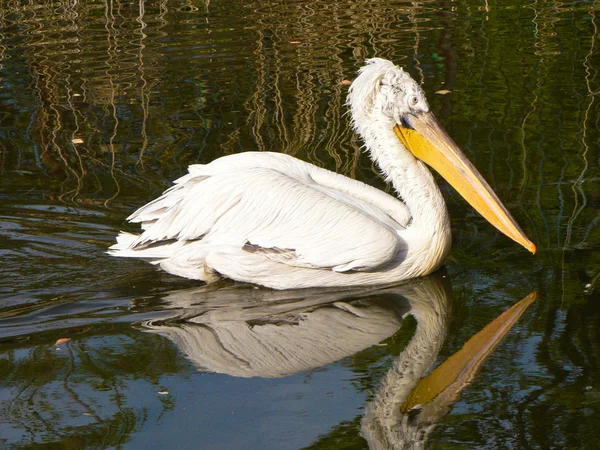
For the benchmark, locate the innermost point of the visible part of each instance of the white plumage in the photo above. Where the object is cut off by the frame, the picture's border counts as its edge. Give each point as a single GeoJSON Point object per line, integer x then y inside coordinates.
{"type": "Point", "coordinates": [271, 219]}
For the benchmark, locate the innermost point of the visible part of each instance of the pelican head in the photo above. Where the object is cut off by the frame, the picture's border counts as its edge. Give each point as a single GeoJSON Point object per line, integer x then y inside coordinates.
{"type": "Point", "coordinates": [386, 95]}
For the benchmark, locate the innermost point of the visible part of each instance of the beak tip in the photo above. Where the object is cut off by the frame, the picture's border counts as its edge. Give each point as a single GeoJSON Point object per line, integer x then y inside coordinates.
{"type": "Point", "coordinates": [532, 248]}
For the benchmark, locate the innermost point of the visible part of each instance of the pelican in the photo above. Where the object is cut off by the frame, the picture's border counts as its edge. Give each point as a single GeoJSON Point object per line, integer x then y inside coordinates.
{"type": "Point", "coordinates": [274, 220]}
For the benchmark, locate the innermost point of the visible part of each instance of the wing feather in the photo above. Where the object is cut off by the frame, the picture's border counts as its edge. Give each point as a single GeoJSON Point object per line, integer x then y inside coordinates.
{"type": "Point", "coordinates": [272, 205]}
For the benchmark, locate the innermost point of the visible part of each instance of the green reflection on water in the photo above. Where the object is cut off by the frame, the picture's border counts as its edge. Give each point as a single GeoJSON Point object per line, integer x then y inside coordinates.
{"type": "Point", "coordinates": [103, 103]}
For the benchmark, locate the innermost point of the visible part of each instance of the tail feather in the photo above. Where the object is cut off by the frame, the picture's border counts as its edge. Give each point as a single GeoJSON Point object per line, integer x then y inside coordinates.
{"type": "Point", "coordinates": [125, 248]}
{"type": "Point", "coordinates": [124, 241]}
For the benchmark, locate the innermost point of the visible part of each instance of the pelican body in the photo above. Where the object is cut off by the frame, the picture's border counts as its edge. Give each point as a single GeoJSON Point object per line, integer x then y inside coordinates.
{"type": "Point", "coordinates": [274, 220]}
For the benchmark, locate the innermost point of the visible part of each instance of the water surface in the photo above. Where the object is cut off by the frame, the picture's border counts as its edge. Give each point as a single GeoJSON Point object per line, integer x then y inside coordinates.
{"type": "Point", "coordinates": [103, 103]}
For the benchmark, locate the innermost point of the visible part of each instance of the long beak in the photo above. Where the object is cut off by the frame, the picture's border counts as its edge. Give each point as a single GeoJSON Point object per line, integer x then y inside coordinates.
{"type": "Point", "coordinates": [428, 141]}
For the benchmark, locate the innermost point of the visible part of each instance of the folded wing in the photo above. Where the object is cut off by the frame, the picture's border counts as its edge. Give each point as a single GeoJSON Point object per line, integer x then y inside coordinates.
{"type": "Point", "coordinates": [272, 206]}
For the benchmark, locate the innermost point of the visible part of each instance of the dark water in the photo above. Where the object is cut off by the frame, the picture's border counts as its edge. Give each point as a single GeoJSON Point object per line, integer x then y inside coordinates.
{"type": "Point", "coordinates": [103, 103]}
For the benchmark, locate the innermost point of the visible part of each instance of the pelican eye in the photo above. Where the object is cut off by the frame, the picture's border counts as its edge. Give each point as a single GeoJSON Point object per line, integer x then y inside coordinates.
{"type": "Point", "coordinates": [414, 100]}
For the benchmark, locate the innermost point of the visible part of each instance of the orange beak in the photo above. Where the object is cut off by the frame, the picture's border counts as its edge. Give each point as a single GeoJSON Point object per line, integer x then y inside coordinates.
{"type": "Point", "coordinates": [428, 141]}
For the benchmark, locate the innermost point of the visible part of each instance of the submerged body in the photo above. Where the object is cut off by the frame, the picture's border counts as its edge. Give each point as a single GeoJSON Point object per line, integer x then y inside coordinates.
{"type": "Point", "coordinates": [271, 219]}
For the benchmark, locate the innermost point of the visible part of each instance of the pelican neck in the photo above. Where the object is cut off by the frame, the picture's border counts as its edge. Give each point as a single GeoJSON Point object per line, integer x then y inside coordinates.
{"type": "Point", "coordinates": [428, 236]}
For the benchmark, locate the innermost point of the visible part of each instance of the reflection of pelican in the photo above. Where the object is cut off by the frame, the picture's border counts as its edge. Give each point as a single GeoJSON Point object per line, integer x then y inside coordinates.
{"type": "Point", "coordinates": [274, 220]}
{"type": "Point", "coordinates": [246, 332]}
{"type": "Point", "coordinates": [250, 332]}
{"type": "Point", "coordinates": [406, 407]}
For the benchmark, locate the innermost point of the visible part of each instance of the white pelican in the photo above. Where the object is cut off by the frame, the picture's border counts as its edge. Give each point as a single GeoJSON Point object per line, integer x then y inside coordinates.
{"type": "Point", "coordinates": [273, 220]}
